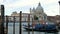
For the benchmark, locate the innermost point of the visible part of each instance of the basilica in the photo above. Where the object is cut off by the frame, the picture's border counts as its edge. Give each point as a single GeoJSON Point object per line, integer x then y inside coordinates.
{"type": "Point", "coordinates": [39, 13]}
{"type": "Point", "coordinates": [35, 13]}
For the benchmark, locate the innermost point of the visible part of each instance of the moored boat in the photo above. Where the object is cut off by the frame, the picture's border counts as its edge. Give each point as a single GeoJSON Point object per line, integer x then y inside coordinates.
{"type": "Point", "coordinates": [42, 27]}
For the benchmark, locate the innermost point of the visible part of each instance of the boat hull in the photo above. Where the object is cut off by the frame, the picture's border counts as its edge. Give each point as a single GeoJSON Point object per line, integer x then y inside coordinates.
{"type": "Point", "coordinates": [42, 30]}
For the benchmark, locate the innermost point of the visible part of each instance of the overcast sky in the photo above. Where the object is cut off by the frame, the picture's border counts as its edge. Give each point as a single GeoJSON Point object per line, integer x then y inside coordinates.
{"type": "Point", "coordinates": [51, 7]}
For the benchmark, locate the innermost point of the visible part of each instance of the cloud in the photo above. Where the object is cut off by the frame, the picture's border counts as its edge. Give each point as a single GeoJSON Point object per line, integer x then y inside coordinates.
{"type": "Point", "coordinates": [1, 2]}
{"type": "Point", "coordinates": [51, 7]}
{"type": "Point", "coordinates": [48, 5]}
{"type": "Point", "coordinates": [52, 10]}
{"type": "Point", "coordinates": [21, 3]}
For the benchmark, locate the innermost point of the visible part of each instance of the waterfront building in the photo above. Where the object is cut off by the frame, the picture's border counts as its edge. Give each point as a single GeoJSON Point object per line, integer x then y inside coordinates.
{"type": "Point", "coordinates": [38, 12]}
{"type": "Point", "coordinates": [24, 16]}
{"type": "Point", "coordinates": [54, 19]}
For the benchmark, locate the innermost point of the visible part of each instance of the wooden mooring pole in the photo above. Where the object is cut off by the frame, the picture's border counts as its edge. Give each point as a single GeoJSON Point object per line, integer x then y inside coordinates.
{"type": "Point", "coordinates": [32, 26]}
{"type": "Point", "coordinates": [6, 25]}
{"type": "Point", "coordinates": [14, 25]}
{"type": "Point", "coordinates": [28, 23]}
{"type": "Point", "coordinates": [20, 23]}
{"type": "Point", "coordinates": [0, 24]}
{"type": "Point", "coordinates": [2, 19]}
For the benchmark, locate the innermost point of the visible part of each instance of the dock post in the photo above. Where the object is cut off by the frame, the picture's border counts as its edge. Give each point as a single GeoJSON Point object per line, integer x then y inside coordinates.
{"type": "Point", "coordinates": [28, 23]}
{"type": "Point", "coordinates": [14, 25]}
{"type": "Point", "coordinates": [7, 24]}
{"type": "Point", "coordinates": [20, 22]}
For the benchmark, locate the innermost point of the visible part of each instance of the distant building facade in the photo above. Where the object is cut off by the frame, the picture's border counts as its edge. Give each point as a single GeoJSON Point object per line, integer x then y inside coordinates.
{"type": "Point", "coordinates": [24, 16]}
{"type": "Point", "coordinates": [38, 12]}
{"type": "Point", "coordinates": [55, 19]}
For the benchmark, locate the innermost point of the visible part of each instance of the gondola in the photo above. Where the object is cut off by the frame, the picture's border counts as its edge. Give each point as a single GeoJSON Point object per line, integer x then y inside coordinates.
{"type": "Point", "coordinates": [42, 27]}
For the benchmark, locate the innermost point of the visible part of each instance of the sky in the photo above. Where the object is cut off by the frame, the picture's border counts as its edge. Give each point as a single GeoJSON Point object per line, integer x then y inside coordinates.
{"type": "Point", "coordinates": [51, 7]}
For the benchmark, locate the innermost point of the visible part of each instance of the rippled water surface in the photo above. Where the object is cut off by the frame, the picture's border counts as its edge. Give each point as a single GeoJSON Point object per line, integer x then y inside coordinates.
{"type": "Point", "coordinates": [10, 30]}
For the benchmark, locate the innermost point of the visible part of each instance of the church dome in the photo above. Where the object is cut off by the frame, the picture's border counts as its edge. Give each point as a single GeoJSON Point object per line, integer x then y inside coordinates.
{"type": "Point", "coordinates": [39, 8]}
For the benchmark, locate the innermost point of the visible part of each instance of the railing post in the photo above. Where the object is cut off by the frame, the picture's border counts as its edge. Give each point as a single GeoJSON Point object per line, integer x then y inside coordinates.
{"type": "Point", "coordinates": [28, 23]}
{"type": "Point", "coordinates": [14, 25]}
{"type": "Point", "coordinates": [20, 22]}
{"type": "Point", "coordinates": [7, 24]}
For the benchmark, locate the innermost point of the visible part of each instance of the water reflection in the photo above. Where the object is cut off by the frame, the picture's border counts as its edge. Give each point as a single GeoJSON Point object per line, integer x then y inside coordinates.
{"type": "Point", "coordinates": [51, 33]}
{"type": "Point", "coordinates": [10, 30]}
{"type": "Point", "coordinates": [36, 32]}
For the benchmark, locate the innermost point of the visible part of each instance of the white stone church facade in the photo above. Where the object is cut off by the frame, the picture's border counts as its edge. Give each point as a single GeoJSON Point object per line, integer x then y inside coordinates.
{"type": "Point", "coordinates": [38, 12]}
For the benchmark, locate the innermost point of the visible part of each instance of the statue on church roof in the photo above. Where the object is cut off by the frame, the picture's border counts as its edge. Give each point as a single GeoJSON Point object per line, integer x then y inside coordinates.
{"type": "Point", "coordinates": [39, 4]}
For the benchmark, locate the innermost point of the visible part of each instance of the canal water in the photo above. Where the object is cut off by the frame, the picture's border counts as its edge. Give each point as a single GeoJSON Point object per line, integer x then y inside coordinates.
{"type": "Point", "coordinates": [10, 30]}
